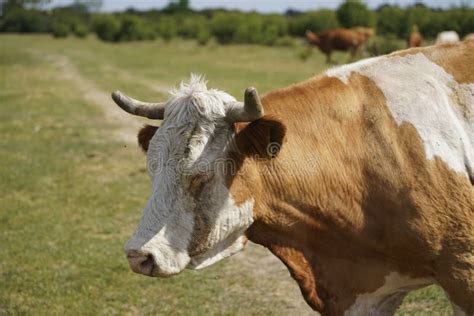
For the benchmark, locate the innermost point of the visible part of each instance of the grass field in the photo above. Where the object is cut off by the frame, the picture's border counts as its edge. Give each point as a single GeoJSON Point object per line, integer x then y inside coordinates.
{"type": "Point", "coordinates": [73, 183]}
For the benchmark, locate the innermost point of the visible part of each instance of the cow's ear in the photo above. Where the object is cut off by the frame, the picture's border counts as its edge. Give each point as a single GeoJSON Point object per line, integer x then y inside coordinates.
{"type": "Point", "coordinates": [144, 136]}
{"type": "Point", "coordinates": [263, 138]}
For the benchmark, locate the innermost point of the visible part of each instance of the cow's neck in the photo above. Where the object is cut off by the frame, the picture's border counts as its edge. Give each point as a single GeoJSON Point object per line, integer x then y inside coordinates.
{"type": "Point", "coordinates": [320, 251]}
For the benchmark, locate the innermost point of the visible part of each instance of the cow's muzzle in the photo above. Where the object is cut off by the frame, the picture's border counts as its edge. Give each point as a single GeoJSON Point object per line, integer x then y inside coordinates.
{"type": "Point", "coordinates": [141, 262]}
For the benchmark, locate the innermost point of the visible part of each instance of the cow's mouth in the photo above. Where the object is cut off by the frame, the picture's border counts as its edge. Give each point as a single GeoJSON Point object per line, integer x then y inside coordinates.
{"type": "Point", "coordinates": [224, 249]}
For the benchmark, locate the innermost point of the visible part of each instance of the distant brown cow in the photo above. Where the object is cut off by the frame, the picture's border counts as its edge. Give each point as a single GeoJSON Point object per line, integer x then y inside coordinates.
{"type": "Point", "coordinates": [337, 39]}
{"type": "Point", "coordinates": [415, 40]}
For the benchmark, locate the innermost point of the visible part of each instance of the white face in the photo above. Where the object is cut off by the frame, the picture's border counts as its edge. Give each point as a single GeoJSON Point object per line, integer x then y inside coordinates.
{"type": "Point", "coordinates": [191, 219]}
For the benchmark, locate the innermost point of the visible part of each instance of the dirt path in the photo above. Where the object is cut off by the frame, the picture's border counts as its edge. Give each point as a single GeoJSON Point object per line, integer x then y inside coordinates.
{"type": "Point", "coordinates": [272, 278]}
{"type": "Point", "coordinates": [153, 86]}
{"type": "Point", "coordinates": [127, 126]}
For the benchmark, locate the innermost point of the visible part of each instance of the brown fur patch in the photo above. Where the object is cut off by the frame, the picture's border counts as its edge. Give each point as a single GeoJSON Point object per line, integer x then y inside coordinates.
{"type": "Point", "coordinates": [301, 271]}
{"type": "Point", "coordinates": [144, 136]}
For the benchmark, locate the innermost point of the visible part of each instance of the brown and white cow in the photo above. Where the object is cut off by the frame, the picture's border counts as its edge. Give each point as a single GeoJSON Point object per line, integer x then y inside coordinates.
{"type": "Point", "coordinates": [360, 180]}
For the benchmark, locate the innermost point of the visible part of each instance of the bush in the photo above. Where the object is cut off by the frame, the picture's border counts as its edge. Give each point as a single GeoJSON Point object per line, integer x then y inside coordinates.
{"type": "Point", "coordinates": [107, 27]}
{"type": "Point", "coordinates": [60, 29]}
{"type": "Point", "coordinates": [384, 45]}
{"type": "Point", "coordinates": [224, 27]}
{"type": "Point", "coordinates": [276, 21]}
{"type": "Point", "coordinates": [270, 35]}
{"type": "Point", "coordinates": [203, 36]}
{"type": "Point", "coordinates": [237, 27]}
{"type": "Point", "coordinates": [167, 28]}
{"type": "Point", "coordinates": [80, 30]}
{"type": "Point", "coordinates": [431, 22]}
{"type": "Point", "coordinates": [305, 52]}
{"type": "Point", "coordinates": [419, 15]}
{"type": "Point", "coordinates": [274, 27]}
{"type": "Point", "coordinates": [134, 28]}
{"type": "Point", "coordinates": [24, 21]}
{"type": "Point", "coordinates": [249, 30]}
{"type": "Point", "coordinates": [189, 26]}
{"type": "Point", "coordinates": [355, 13]}
{"type": "Point", "coordinates": [68, 17]}
{"type": "Point", "coordinates": [285, 41]}
{"type": "Point", "coordinates": [316, 21]}
{"type": "Point", "coordinates": [391, 19]}
{"type": "Point", "coordinates": [465, 16]}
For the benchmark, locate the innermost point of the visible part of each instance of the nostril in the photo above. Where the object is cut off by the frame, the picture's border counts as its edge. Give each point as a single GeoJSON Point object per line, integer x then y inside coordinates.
{"type": "Point", "coordinates": [140, 262]}
{"type": "Point", "coordinates": [147, 265]}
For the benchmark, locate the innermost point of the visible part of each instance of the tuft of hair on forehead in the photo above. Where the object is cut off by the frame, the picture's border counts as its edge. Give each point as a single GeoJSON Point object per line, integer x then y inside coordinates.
{"type": "Point", "coordinates": [193, 98]}
{"type": "Point", "coordinates": [197, 84]}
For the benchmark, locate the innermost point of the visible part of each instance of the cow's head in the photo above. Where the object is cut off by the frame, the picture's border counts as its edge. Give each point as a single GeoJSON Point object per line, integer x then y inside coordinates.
{"type": "Point", "coordinates": [191, 219]}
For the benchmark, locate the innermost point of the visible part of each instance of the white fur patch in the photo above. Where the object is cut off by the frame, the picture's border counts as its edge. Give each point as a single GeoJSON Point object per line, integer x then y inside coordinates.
{"type": "Point", "coordinates": [422, 93]}
{"type": "Point", "coordinates": [386, 299]}
{"type": "Point", "coordinates": [226, 238]}
{"type": "Point", "coordinates": [344, 72]}
{"type": "Point", "coordinates": [165, 235]}
{"type": "Point", "coordinates": [222, 250]}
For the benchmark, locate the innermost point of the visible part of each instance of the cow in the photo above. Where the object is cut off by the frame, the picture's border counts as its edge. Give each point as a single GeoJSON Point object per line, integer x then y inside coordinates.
{"type": "Point", "coordinates": [415, 39]}
{"type": "Point", "coordinates": [447, 37]}
{"type": "Point", "coordinates": [337, 39]}
{"type": "Point", "coordinates": [360, 180]}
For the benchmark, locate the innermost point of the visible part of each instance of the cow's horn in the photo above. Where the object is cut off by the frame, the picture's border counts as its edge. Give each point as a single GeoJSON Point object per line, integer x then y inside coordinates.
{"type": "Point", "coordinates": [154, 111]}
{"type": "Point", "coordinates": [250, 110]}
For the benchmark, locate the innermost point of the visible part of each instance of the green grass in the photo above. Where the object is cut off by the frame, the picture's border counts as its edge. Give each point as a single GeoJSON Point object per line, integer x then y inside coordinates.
{"type": "Point", "coordinates": [71, 192]}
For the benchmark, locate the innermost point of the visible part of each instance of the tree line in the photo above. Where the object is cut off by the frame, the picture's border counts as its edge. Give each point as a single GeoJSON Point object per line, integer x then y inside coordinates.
{"type": "Point", "coordinates": [227, 26]}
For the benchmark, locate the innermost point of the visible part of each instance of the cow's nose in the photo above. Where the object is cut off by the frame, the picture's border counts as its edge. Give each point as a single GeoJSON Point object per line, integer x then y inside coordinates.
{"type": "Point", "coordinates": [141, 262]}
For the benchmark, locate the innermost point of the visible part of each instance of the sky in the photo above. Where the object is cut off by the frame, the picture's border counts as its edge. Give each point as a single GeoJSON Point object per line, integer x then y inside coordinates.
{"type": "Point", "coordinates": [264, 6]}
